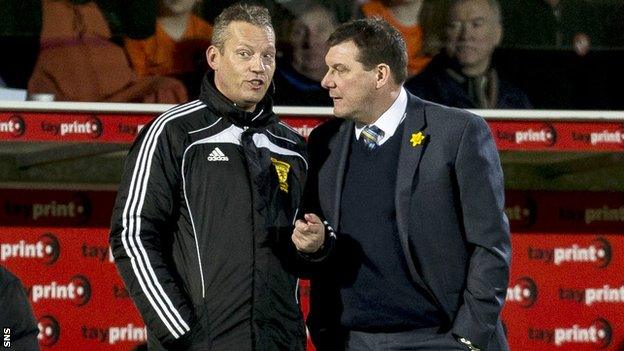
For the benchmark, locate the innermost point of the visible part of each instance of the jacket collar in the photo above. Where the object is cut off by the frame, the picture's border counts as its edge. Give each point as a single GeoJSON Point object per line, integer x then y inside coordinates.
{"type": "Point", "coordinates": [221, 105]}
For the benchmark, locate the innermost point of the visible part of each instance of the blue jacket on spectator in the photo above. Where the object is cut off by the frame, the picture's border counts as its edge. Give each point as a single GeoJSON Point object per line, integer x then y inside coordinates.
{"type": "Point", "coordinates": [443, 83]}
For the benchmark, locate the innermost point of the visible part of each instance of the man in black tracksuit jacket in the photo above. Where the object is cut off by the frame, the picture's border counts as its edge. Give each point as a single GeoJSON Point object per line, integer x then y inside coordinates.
{"type": "Point", "coordinates": [202, 223]}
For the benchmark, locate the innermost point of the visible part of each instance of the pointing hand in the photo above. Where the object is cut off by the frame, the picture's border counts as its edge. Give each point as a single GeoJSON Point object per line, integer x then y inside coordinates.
{"type": "Point", "coordinates": [309, 234]}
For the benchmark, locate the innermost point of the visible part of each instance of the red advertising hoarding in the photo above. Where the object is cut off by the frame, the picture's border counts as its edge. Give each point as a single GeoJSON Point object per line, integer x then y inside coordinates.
{"type": "Point", "coordinates": [77, 296]}
{"type": "Point", "coordinates": [566, 290]}
{"type": "Point", "coordinates": [587, 136]}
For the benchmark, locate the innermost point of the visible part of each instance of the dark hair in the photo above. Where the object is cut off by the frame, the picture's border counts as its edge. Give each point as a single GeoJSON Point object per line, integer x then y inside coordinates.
{"type": "Point", "coordinates": [240, 12]}
{"type": "Point", "coordinates": [377, 41]}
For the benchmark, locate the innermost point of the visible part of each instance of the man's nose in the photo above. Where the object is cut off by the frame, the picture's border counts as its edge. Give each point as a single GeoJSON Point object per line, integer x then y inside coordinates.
{"type": "Point", "coordinates": [257, 64]}
{"type": "Point", "coordinates": [460, 29]}
{"type": "Point", "coordinates": [327, 82]}
{"type": "Point", "coordinates": [465, 32]}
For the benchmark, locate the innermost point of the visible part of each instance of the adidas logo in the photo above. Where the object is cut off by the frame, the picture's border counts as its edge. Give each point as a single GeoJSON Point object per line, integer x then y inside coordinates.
{"type": "Point", "coordinates": [217, 155]}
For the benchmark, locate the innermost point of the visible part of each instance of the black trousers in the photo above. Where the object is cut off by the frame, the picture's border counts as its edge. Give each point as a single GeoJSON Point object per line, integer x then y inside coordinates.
{"type": "Point", "coordinates": [419, 339]}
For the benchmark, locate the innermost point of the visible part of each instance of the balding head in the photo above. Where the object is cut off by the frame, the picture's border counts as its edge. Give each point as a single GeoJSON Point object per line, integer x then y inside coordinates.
{"type": "Point", "coordinates": [473, 31]}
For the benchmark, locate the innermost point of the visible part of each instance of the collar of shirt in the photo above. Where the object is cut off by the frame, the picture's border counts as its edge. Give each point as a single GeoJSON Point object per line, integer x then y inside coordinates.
{"type": "Point", "coordinates": [389, 121]}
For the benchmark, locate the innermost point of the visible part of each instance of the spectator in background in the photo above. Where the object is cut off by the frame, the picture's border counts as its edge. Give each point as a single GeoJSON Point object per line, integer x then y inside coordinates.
{"type": "Point", "coordinates": [20, 33]}
{"type": "Point", "coordinates": [462, 75]}
{"type": "Point", "coordinates": [552, 24]}
{"type": "Point", "coordinates": [298, 77]}
{"type": "Point", "coordinates": [16, 314]}
{"type": "Point", "coordinates": [405, 16]}
{"type": "Point", "coordinates": [212, 8]}
{"type": "Point", "coordinates": [79, 60]}
{"type": "Point", "coordinates": [178, 46]}
{"type": "Point", "coordinates": [343, 10]}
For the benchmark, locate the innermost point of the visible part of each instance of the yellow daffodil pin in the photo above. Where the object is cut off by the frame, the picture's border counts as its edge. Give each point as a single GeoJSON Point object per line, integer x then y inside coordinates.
{"type": "Point", "coordinates": [417, 138]}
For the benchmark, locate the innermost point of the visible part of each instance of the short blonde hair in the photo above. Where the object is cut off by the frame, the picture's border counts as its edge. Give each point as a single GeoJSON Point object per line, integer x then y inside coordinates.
{"type": "Point", "coordinates": [239, 12]}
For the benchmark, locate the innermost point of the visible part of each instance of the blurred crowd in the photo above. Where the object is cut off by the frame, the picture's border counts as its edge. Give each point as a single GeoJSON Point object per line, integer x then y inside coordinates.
{"type": "Point", "coordinates": [553, 54]}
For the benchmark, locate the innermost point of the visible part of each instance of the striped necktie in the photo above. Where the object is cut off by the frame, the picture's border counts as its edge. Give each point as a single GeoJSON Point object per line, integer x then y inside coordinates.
{"type": "Point", "coordinates": [370, 135]}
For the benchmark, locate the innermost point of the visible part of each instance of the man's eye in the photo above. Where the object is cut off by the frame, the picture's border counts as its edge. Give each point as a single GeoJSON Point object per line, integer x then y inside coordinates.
{"type": "Point", "coordinates": [244, 54]}
{"type": "Point", "coordinates": [455, 25]}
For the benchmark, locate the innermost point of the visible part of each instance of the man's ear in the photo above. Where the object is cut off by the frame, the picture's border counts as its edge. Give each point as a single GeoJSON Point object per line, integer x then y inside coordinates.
{"type": "Point", "coordinates": [383, 75]}
{"type": "Point", "coordinates": [498, 33]}
{"type": "Point", "coordinates": [213, 56]}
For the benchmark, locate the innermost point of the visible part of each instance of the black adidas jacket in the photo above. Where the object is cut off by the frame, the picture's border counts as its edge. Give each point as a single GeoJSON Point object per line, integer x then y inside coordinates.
{"type": "Point", "coordinates": [202, 223]}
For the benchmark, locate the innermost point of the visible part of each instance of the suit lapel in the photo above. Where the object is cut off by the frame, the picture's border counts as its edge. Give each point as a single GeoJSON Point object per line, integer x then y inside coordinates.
{"type": "Point", "coordinates": [409, 159]}
{"type": "Point", "coordinates": [333, 172]}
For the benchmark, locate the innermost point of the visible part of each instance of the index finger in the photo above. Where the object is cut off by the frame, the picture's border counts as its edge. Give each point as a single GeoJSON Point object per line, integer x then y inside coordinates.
{"type": "Point", "coordinates": [313, 218]}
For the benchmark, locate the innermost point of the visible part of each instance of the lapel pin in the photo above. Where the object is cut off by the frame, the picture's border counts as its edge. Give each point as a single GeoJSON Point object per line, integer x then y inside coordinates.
{"type": "Point", "coordinates": [417, 139]}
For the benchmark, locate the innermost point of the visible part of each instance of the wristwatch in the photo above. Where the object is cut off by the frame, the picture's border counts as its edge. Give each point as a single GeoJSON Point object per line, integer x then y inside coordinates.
{"type": "Point", "coordinates": [468, 344]}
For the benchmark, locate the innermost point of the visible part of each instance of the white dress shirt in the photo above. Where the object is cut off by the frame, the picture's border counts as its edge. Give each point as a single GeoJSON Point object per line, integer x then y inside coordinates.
{"type": "Point", "coordinates": [389, 121]}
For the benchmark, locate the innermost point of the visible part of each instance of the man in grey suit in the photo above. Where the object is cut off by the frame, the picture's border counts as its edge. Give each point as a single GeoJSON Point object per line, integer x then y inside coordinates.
{"type": "Point", "coordinates": [414, 191]}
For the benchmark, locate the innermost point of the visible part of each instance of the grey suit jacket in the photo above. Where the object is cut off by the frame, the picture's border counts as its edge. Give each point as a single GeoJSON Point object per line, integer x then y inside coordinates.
{"type": "Point", "coordinates": [449, 201]}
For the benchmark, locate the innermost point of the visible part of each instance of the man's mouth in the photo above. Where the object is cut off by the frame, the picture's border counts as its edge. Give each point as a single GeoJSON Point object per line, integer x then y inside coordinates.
{"type": "Point", "coordinates": [256, 83]}
{"type": "Point", "coordinates": [465, 47]}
